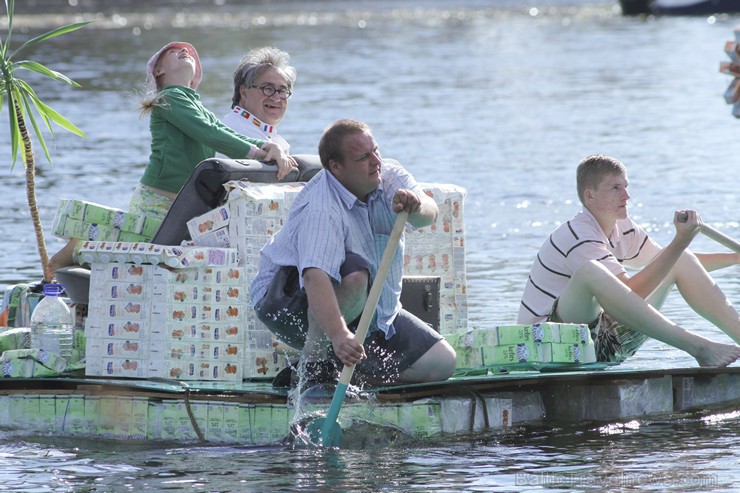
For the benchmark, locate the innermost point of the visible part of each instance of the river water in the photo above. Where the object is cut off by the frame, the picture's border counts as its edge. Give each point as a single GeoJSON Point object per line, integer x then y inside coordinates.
{"type": "Point", "coordinates": [499, 98]}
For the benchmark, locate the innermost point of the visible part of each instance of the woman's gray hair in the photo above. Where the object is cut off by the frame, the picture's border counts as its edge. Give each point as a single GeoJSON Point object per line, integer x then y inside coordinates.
{"type": "Point", "coordinates": [254, 64]}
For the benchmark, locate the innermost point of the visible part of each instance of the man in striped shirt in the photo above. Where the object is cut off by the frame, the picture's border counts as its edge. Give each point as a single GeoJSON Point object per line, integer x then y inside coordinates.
{"type": "Point", "coordinates": [314, 273]}
{"type": "Point", "coordinates": [579, 275]}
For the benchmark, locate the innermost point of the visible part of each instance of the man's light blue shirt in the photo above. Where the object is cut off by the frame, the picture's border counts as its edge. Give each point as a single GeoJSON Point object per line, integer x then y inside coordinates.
{"type": "Point", "coordinates": [325, 221]}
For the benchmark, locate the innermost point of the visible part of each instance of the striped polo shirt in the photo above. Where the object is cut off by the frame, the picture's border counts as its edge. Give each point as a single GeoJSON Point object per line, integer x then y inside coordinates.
{"type": "Point", "coordinates": [571, 245]}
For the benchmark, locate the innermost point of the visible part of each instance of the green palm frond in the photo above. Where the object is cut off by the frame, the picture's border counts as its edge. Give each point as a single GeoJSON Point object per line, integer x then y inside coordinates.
{"type": "Point", "coordinates": [15, 134]}
{"type": "Point", "coordinates": [51, 34]}
{"type": "Point", "coordinates": [9, 9]}
{"type": "Point", "coordinates": [48, 113]}
{"type": "Point", "coordinates": [38, 68]}
{"type": "Point", "coordinates": [19, 91]}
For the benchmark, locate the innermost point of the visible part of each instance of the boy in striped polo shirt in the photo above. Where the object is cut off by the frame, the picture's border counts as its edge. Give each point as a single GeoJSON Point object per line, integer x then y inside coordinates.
{"type": "Point", "coordinates": [579, 275]}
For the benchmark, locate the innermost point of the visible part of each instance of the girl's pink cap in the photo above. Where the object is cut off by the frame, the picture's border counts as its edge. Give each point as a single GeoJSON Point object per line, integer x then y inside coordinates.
{"type": "Point", "coordinates": [152, 63]}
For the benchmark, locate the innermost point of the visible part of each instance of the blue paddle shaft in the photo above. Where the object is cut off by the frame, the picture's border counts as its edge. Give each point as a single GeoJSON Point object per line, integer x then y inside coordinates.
{"type": "Point", "coordinates": [333, 413]}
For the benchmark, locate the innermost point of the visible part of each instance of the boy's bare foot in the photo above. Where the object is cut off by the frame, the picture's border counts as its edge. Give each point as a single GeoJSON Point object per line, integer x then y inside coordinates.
{"type": "Point", "coordinates": [717, 354]}
{"type": "Point", "coordinates": [63, 258]}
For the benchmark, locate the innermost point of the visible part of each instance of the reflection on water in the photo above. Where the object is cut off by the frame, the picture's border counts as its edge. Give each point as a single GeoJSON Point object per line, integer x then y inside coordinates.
{"type": "Point", "coordinates": [499, 98]}
{"type": "Point", "coordinates": [681, 455]}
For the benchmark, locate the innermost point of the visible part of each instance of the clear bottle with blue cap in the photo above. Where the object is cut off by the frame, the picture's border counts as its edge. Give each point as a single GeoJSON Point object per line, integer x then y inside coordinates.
{"type": "Point", "coordinates": [52, 323]}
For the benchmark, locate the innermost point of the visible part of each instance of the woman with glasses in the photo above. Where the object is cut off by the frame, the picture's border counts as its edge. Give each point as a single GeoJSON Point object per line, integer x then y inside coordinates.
{"type": "Point", "coordinates": [263, 82]}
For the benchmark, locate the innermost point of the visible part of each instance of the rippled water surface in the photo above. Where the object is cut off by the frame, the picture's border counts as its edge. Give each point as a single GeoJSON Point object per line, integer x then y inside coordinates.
{"type": "Point", "coordinates": [498, 97]}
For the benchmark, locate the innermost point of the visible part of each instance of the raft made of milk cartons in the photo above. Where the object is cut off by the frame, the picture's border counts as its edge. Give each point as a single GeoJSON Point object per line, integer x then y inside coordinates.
{"type": "Point", "coordinates": [172, 349]}
{"type": "Point", "coordinates": [254, 414]}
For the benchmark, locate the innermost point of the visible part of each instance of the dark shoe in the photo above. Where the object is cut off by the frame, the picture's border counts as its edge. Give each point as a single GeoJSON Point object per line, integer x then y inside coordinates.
{"type": "Point", "coordinates": [284, 378]}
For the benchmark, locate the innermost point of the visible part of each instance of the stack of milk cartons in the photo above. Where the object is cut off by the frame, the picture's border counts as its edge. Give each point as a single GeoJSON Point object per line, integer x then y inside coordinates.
{"type": "Point", "coordinates": [149, 321]}
{"type": "Point", "coordinates": [439, 250]}
{"type": "Point", "coordinates": [211, 228]}
{"type": "Point", "coordinates": [90, 221]}
{"type": "Point", "coordinates": [523, 345]}
{"type": "Point", "coordinates": [252, 214]}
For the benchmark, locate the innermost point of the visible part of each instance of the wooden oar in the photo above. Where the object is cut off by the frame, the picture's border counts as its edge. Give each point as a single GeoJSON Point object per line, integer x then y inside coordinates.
{"type": "Point", "coordinates": [715, 235]}
{"type": "Point", "coordinates": [330, 432]}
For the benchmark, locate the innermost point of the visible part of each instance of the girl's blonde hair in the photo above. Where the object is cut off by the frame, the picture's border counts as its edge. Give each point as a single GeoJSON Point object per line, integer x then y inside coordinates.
{"type": "Point", "coordinates": [152, 97]}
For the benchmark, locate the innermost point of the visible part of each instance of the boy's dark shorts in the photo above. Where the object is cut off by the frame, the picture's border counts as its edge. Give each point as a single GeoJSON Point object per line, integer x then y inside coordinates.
{"type": "Point", "coordinates": [614, 342]}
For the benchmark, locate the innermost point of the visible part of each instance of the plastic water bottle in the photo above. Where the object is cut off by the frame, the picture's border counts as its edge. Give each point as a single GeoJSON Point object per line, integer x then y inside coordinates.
{"type": "Point", "coordinates": [52, 323]}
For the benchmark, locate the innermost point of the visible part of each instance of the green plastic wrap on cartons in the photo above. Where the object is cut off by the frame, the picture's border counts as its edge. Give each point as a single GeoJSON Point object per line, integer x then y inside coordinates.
{"type": "Point", "coordinates": [18, 338]}
{"type": "Point", "coordinates": [75, 228]}
{"type": "Point", "coordinates": [128, 236]}
{"type": "Point", "coordinates": [122, 220]}
{"type": "Point", "coordinates": [568, 353]}
{"type": "Point", "coordinates": [513, 334]}
{"type": "Point", "coordinates": [92, 213]}
{"type": "Point", "coordinates": [469, 357]}
{"type": "Point", "coordinates": [24, 363]}
{"type": "Point", "coordinates": [572, 333]}
{"type": "Point", "coordinates": [512, 354]}
{"type": "Point", "coordinates": [151, 225]}
{"type": "Point", "coordinates": [546, 332]}
{"type": "Point", "coordinates": [482, 337]}
{"type": "Point", "coordinates": [79, 343]}
{"type": "Point", "coordinates": [74, 209]}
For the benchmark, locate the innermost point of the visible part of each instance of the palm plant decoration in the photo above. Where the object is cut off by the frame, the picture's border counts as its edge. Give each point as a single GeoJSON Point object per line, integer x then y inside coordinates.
{"type": "Point", "coordinates": [22, 99]}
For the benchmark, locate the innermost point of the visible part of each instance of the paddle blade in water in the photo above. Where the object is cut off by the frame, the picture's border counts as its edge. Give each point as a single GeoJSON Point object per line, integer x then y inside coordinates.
{"type": "Point", "coordinates": [332, 437]}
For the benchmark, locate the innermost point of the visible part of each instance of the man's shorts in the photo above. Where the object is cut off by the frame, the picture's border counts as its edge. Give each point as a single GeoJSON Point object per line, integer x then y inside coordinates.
{"type": "Point", "coordinates": [614, 342]}
{"type": "Point", "coordinates": [284, 310]}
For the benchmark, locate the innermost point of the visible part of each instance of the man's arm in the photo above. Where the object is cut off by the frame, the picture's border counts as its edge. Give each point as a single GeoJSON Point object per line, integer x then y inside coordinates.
{"type": "Point", "coordinates": [422, 208]}
{"type": "Point", "coordinates": [322, 301]}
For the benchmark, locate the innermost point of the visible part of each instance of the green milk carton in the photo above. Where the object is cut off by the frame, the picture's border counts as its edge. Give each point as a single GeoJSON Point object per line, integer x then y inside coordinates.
{"type": "Point", "coordinates": [214, 432]}
{"type": "Point", "coordinates": [231, 422]}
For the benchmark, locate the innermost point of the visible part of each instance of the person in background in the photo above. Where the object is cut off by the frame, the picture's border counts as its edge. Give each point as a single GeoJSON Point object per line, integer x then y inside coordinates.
{"type": "Point", "coordinates": [263, 82]}
{"type": "Point", "coordinates": [578, 275]}
{"type": "Point", "coordinates": [183, 134]}
{"type": "Point", "coordinates": [314, 274]}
